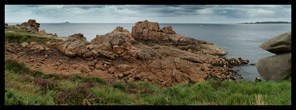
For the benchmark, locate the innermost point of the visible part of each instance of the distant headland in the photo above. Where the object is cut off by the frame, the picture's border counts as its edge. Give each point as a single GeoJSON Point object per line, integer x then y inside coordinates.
{"type": "Point", "coordinates": [66, 22]}
{"type": "Point", "coordinates": [268, 22]}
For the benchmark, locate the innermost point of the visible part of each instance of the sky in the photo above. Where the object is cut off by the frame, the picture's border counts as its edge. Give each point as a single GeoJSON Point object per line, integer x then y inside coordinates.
{"type": "Point", "coordinates": [154, 13]}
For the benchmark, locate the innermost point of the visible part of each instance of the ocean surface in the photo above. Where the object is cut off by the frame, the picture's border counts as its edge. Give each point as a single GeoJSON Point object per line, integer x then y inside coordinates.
{"type": "Point", "coordinates": [239, 40]}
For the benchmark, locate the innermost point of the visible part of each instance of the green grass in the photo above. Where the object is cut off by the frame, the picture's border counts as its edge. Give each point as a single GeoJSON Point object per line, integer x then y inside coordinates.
{"type": "Point", "coordinates": [30, 87]}
{"type": "Point", "coordinates": [13, 34]}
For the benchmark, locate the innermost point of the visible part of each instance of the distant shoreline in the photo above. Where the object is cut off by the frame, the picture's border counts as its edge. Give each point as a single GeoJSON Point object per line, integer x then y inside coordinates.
{"type": "Point", "coordinates": [268, 22]}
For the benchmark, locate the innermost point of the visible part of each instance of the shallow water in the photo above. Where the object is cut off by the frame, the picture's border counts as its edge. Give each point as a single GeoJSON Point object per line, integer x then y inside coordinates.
{"type": "Point", "coordinates": [239, 40]}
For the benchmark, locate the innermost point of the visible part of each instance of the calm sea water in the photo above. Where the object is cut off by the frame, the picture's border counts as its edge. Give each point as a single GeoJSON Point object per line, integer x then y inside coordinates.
{"type": "Point", "coordinates": [239, 40]}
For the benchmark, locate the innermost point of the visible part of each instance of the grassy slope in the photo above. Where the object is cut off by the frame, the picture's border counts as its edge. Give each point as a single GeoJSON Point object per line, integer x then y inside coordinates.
{"type": "Point", "coordinates": [26, 87]}
{"type": "Point", "coordinates": [13, 34]}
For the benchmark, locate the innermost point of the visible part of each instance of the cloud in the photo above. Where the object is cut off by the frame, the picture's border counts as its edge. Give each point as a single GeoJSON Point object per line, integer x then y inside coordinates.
{"type": "Point", "coordinates": [223, 11]}
{"type": "Point", "coordinates": [261, 12]}
{"type": "Point", "coordinates": [133, 13]}
{"type": "Point", "coordinates": [204, 11]}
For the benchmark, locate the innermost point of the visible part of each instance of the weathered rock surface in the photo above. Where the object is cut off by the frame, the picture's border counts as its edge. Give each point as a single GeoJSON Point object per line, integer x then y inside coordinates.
{"type": "Point", "coordinates": [117, 36]}
{"type": "Point", "coordinates": [30, 26]}
{"type": "Point", "coordinates": [167, 59]}
{"type": "Point", "coordinates": [150, 31]}
{"type": "Point", "coordinates": [145, 30]}
{"type": "Point", "coordinates": [278, 44]}
{"type": "Point", "coordinates": [276, 67]}
{"type": "Point", "coordinates": [119, 41]}
{"type": "Point", "coordinates": [73, 46]}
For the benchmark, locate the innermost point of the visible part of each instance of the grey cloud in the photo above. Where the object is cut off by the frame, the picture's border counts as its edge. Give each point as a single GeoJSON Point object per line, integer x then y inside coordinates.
{"type": "Point", "coordinates": [84, 6]}
{"type": "Point", "coordinates": [154, 11]}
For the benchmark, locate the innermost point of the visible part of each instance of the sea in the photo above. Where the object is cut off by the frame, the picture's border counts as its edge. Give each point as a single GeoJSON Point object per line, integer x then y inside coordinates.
{"type": "Point", "coordinates": [239, 40]}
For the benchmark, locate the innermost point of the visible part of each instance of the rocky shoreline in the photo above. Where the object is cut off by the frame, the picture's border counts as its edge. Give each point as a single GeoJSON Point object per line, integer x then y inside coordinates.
{"type": "Point", "coordinates": [148, 53]}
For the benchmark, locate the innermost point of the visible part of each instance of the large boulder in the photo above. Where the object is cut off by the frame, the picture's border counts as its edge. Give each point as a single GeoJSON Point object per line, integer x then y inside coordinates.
{"type": "Point", "coordinates": [145, 30]}
{"type": "Point", "coordinates": [119, 41]}
{"type": "Point", "coordinates": [117, 36]}
{"type": "Point", "coordinates": [111, 45]}
{"type": "Point", "coordinates": [150, 31]}
{"type": "Point", "coordinates": [73, 45]}
{"type": "Point", "coordinates": [276, 67]}
{"type": "Point", "coordinates": [278, 44]}
{"type": "Point", "coordinates": [30, 26]}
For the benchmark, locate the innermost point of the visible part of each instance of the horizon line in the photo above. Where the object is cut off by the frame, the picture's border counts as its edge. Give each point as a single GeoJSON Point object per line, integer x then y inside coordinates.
{"type": "Point", "coordinates": [125, 23]}
{"type": "Point", "coordinates": [158, 22]}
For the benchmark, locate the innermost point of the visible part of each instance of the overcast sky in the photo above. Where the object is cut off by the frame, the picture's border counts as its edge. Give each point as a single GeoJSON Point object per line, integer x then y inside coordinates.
{"type": "Point", "coordinates": [156, 13]}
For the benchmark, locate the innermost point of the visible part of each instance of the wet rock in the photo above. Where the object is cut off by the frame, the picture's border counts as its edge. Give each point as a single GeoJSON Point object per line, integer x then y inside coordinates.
{"type": "Point", "coordinates": [236, 61]}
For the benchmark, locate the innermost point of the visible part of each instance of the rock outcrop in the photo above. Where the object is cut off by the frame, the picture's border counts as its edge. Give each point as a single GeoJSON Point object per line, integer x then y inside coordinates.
{"type": "Point", "coordinates": [151, 32]}
{"type": "Point", "coordinates": [118, 41]}
{"type": "Point", "coordinates": [30, 26]}
{"type": "Point", "coordinates": [75, 45]}
{"type": "Point", "coordinates": [167, 59]}
{"type": "Point", "coordinates": [276, 67]}
{"type": "Point", "coordinates": [118, 35]}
